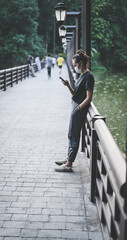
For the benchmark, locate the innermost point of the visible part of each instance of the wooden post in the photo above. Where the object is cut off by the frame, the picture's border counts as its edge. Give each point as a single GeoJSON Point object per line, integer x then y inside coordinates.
{"type": "Point", "coordinates": [17, 76]}
{"type": "Point", "coordinates": [12, 78]}
{"type": "Point", "coordinates": [5, 81]}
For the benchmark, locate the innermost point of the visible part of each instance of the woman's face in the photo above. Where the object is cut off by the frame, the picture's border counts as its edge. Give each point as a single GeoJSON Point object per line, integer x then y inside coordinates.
{"type": "Point", "coordinates": [77, 66]}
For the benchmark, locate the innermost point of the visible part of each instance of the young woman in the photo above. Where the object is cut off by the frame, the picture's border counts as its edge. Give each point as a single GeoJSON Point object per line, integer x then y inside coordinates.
{"type": "Point", "coordinates": [81, 96]}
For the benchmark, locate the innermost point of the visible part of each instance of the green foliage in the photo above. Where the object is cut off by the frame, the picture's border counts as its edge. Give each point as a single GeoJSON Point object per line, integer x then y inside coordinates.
{"type": "Point", "coordinates": [18, 32]}
{"type": "Point", "coordinates": [27, 27]}
{"type": "Point", "coordinates": [109, 24]}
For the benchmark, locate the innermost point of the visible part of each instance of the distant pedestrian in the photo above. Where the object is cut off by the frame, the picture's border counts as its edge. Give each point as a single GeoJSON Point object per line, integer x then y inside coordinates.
{"type": "Point", "coordinates": [31, 69]}
{"type": "Point", "coordinates": [60, 61]}
{"type": "Point", "coordinates": [81, 98]}
{"type": "Point", "coordinates": [49, 65]}
{"type": "Point", "coordinates": [53, 61]}
{"type": "Point", "coordinates": [37, 60]}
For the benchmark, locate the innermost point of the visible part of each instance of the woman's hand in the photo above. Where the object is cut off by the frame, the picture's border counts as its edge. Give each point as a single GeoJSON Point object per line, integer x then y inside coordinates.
{"type": "Point", "coordinates": [65, 83]}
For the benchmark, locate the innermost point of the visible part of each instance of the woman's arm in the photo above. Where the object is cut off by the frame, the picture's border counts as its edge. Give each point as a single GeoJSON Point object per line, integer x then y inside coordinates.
{"type": "Point", "coordinates": [87, 100]}
{"type": "Point", "coordinates": [66, 83]}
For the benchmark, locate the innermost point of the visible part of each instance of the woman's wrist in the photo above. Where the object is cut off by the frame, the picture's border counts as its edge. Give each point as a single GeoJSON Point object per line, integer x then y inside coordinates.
{"type": "Point", "coordinates": [79, 108]}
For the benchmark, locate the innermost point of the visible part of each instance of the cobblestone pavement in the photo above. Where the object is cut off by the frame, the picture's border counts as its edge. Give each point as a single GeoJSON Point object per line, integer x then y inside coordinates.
{"type": "Point", "coordinates": [35, 201]}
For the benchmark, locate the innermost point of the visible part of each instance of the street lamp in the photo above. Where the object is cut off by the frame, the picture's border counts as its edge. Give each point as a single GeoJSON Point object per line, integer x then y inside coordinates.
{"type": "Point", "coordinates": [62, 31]}
{"type": "Point", "coordinates": [64, 45]}
{"type": "Point", "coordinates": [63, 40]}
{"type": "Point", "coordinates": [60, 11]}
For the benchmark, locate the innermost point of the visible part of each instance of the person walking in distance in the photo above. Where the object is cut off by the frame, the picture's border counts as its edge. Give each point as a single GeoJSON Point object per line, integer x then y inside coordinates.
{"type": "Point", "coordinates": [81, 96]}
{"type": "Point", "coordinates": [60, 61]}
{"type": "Point", "coordinates": [31, 69]}
{"type": "Point", "coordinates": [49, 65]}
{"type": "Point", "coordinates": [53, 61]}
{"type": "Point", "coordinates": [37, 60]}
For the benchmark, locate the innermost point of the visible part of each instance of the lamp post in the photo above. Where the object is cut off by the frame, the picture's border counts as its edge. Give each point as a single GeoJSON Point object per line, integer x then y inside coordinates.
{"type": "Point", "coordinates": [73, 44]}
{"type": "Point", "coordinates": [60, 11]}
{"type": "Point", "coordinates": [64, 40]}
{"type": "Point", "coordinates": [62, 31]}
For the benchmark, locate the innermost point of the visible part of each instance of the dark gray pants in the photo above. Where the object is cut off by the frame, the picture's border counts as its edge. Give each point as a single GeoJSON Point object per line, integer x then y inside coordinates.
{"type": "Point", "coordinates": [49, 71]}
{"type": "Point", "coordinates": [77, 120]}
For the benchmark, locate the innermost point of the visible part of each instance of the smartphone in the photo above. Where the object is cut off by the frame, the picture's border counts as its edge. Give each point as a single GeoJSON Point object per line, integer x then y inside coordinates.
{"type": "Point", "coordinates": [62, 79]}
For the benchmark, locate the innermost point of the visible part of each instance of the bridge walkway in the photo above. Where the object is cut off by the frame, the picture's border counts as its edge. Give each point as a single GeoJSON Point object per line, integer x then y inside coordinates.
{"type": "Point", "coordinates": [35, 201]}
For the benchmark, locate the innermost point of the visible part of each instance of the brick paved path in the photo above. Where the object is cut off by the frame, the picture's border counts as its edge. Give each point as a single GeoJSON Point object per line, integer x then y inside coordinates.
{"type": "Point", "coordinates": [35, 201]}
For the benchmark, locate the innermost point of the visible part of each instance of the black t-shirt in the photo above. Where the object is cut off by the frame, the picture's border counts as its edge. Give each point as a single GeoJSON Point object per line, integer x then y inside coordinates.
{"type": "Point", "coordinates": [85, 82]}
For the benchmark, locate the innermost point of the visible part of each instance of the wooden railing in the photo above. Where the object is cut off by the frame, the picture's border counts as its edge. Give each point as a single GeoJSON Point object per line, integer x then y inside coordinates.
{"type": "Point", "coordinates": [108, 176]}
{"type": "Point", "coordinates": [11, 76]}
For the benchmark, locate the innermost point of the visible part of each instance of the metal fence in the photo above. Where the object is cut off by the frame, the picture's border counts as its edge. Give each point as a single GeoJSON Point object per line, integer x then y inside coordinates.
{"type": "Point", "coordinates": [11, 76]}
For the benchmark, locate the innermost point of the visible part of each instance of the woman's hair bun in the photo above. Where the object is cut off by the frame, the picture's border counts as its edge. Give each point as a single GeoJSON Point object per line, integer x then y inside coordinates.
{"type": "Point", "coordinates": [81, 56]}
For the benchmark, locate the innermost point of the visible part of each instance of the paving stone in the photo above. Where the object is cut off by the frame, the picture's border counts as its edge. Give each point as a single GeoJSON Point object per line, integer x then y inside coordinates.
{"type": "Point", "coordinates": [75, 234]}
{"type": "Point", "coordinates": [9, 232]}
{"type": "Point", "coordinates": [52, 211]}
{"type": "Point", "coordinates": [95, 236]}
{"type": "Point", "coordinates": [73, 212]}
{"type": "Point", "coordinates": [38, 218]}
{"type": "Point", "coordinates": [21, 204]}
{"type": "Point", "coordinates": [4, 204]}
{"type": "Point", "coordinates": [5, 216]}
{"type": "Point", "coordinates": [50, 233]}
{"type": "Point", "coordinates": [56, 225]}
{"type": "Point", "coordinates": [14, 224]}
{"type": "Point", "coordinates": [15, 210]}
{"type": "Point", "coordinates": [56, 219]}
{"type": "Point", "coordinates": [29, 233]}
{"type": "Point", "coordinates": [34, 225]}
{"type": "Point", "coordinates": [19, 217]}
{"type": "Point", "coordinates": [75, 226]}
{"type": "Point", "coordinates": [33, 211]}
{"type": "Point", "coordinates": [75, 219]}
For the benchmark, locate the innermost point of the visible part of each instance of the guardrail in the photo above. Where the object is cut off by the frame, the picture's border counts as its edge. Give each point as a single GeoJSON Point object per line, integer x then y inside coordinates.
{"type": "Point", "coordinates": [108, 173]}
{"type": "Point", "coordinates": [11, 76]}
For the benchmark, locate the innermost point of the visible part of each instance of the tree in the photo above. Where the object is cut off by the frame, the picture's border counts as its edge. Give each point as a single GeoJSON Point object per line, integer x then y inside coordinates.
{"type": "Point", "coordinates": [18, 32]}
{"type": "Point", "coordinates": [109, 24]}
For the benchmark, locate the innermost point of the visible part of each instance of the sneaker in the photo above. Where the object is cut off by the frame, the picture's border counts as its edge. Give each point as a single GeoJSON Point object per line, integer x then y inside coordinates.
{"type": "Point", "coordinates": [61, 162]}
{"type": "Point", "coordinates": [63, 168]}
